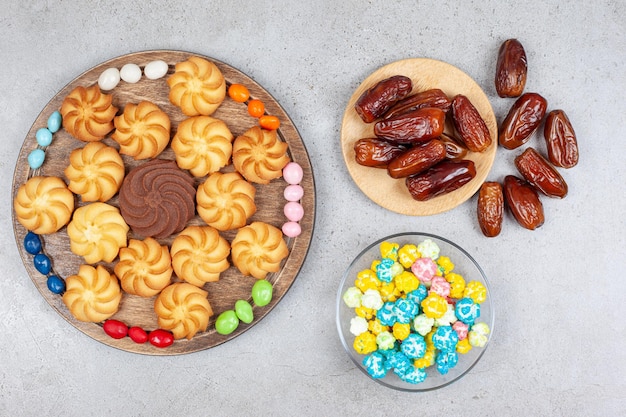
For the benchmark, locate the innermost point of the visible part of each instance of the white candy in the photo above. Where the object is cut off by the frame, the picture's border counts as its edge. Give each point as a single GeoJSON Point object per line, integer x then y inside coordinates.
{"type": "Point", "coordinates": [131, 73]}
{"type": "Point", "coordinates": [109, 79]}
{"type": "Point", "coordinates": [155, 69]}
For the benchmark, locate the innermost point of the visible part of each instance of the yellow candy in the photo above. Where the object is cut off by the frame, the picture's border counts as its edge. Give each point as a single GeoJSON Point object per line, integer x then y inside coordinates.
{"type": "Point", "coordinates": [434, 306]}
{"type": "Point", "coordinates": [463, 346]}
{"type": "Point", "coordinates": [407, 254]}
{"type": "Point", "coordinates": [406, 282]}
{"type": "Point", "coordinates": [367, 280]}
{"type": "Point", "coordinates": [375, 327]}
{"type": "Point", "coordinates": [425, 361]}
{"type": "Point", "coordinates": [365, 343]}
{"type": "Point", "coordinates": [389, 292]}
{"type": "Point", "coordinates": [457, 285]}
{"type": "Point", "coordinates": [375, 264]}
{"type": "Point", "coordinates": [429, 339]}
{"type": "Point", "coordinates": [445, 263]}
{"type": "Point", "coordinates": [401, 331]}
{"type": "Point", "coordinates": [389, 250]}
{"type": "Point", "coordinates": [476, 291]}
{"type": "Point", "coordinates": [366, 313]}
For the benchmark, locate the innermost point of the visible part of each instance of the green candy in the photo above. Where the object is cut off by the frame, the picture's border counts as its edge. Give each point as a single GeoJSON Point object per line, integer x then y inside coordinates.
{"type": "Point", "coordinates": [226, 322]}
{"type": "Point", "coordinates": [243, 309]}
{"type": "Point", "coordinates": [262, 292]}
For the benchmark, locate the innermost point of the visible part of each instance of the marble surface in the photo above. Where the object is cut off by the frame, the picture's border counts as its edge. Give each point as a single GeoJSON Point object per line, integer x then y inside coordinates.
{"type": "Point", "coordinates": [558, 346]}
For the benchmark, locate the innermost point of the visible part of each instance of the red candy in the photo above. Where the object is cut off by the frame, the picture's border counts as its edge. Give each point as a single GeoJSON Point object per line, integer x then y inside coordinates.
{"type": "Point", "coordinates": [138, 335]}
{"type": "Point", "coordinates": [116, 329]}
{"type": "Point", "coordinates": [161, 338]}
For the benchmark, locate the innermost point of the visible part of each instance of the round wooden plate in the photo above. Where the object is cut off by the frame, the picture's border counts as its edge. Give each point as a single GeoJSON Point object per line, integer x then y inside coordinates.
{"type": "Point", "coordinates": [138, 311]}
{"type": "Point", "coordinates": [390, 193]}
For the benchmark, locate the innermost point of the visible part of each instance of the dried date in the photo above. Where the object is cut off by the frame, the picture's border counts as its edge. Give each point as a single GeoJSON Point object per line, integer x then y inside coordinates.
{"type": "Point", "coordinates": [560, 139]}
{"type": "Point", "coordinates": [540, 173]}
{"type": "Point", "coordinates": [440, 179]}
{"type": "Point", "coordinates": [416, 126]}
{"type": "Point", "coordinates": [374, 152]}
{"type": "Point", "coordinates": [375, 101]}
{"type": "Point", "coordinates": [490, 208]}
{"type": "Point", "coordinates": [469, 124]}
{"type": "Point", "coordinates": [523, 119]}
{"type": "Point", "coordinates": [417, 159]}
{"type": "Point", "coordinates": [523, 201]}
{"type": "Point", "coordinates": [511, 69]}
{"type": "Point", "coordinates": [454, 150]}
{"type": "Point", "coordinates": [428, 98]}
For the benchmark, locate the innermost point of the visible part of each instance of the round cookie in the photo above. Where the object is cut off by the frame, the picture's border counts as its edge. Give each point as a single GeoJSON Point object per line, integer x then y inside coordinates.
{"type": "Point", "coordinates": [92, 295]}
{"type": "Point", "coordinates": [259, 155]}
{"type": "Point", "coordinates": [43, 205]}
{"type": "Point", "coordinates": [143, 130]}
{"type": "Point", "coordinates": [95, 172]}
{"type": "Point", "coordinates": [258, 249]}
{"type": "Point", "coordinates": [157, 199]}
{"type": "Point", "coordinates": [88, 113]}
{"type": "Point", "coordinates": [144, 268]}
{"type": "Point", "coordinates": [183, 309]}
{"type": "Point", "coordinates": [225, 201]}
{"type": "Point", "coordinates": [197, 86]}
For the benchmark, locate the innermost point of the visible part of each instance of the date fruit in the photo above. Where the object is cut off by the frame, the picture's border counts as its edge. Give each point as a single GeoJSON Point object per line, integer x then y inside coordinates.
{"type": "Point", "coordinates": [511, 69]}
{"type": "Point", "coordinates": [428, 98]}
{"type": "Point", "coordinates": [440, 179]}
{"type": "Point", "coordinates": [374, 152]}
{"type": "Point", "coordinates": [375, 101]}
{"type": "Point", "coordinates": [417, 159]}
{"type": "Point", "coordinates": [540, 173]}
{"type": "Point", "coordinates": [416, 126]}
{"type": "Point", "coordinates": [471, 127]}
{"type": "Point", "coordinates": [523, 119]}
{"type": "Point", "coordinates": [560, 139]}
{"type": "Point", "coordinates": [490, 208]}
{"type": "Point", "coordinates": [523, 201]}
{"type": "Point", "coordinates": [454, 150]}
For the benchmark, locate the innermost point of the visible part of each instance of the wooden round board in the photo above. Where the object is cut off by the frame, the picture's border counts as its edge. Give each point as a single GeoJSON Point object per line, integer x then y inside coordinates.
{"type": "Point", "coordinates": [390, 193]}
{"type": "Point", "coordinates": [135, 310]}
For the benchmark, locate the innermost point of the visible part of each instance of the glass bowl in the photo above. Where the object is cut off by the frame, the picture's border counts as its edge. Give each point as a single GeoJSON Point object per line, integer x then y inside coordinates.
{"type": "Point", "coordinates": [464, 265]}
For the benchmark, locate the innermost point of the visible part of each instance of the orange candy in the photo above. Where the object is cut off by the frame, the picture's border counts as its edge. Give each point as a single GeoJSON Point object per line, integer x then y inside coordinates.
{"type": "Point", "coordinates": [269, 122]}
{"type": "Point", "coordinates": [238, 93]}
{"type": "Point", "coordinates": [256, 108]}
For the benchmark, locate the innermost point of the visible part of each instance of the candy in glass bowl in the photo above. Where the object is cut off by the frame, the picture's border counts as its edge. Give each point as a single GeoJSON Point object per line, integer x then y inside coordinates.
{"type": "Point", "coordinates": [414, 311]}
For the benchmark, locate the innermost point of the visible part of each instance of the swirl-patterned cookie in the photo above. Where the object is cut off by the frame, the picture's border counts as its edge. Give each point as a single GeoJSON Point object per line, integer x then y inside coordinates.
{"type": "Point", "coordinates": [95, 172]}
{"type": "Point", "coordinates": [202, 145]}
{"type": "Point", "coordinates": [93, 295]}
{"type": "Point", "coordinates": [225, 201]}
{"type": "Point", "coordinates": [97, 232]}
{"type": "Point", "coordinates": [144, 268]}
{"type": "Point", "coordinates": [88, 113]}
{"type": "Point", "coordinates": [143, 130]}
{"type": "Point", "coordinates": [259, 155]}
{"type": "Point", "coordinates": [199, 255]}
{"type": "Point", "coordinates": [183, 309]}
{"type": "Point", "coordinates": [157, 199]}
{"type": "Point", "coordinates": [197, 86]}
{"type": "Point", "coordinates": [258, 249]}
{"type": "Point", "coordinates": [43, 204]}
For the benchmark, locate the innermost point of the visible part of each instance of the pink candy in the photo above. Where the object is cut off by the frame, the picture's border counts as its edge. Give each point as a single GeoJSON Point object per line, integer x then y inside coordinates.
{"type": "Point", "coordinates": [440, 286]}
{"type": "Point", "coordinates": [424, 269]}
{"type": "Point", "coordinates": [294, 211]}
{"type": "Point", "coordinates": [293, 174]}
{"type": "Point", "coordinates": [293, 192]}
{"type": "Point", "coordinates": [461, 329]}
{"type": "Point", "coordinates": [291, 229]}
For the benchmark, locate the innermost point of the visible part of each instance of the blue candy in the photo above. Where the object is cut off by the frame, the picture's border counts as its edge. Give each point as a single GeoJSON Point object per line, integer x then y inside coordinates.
{"type": "Point", "coordinates": [385, 314]}
{"type": "Point", "coordinates": [42, 263]}
{"type": "Point", "coordinates": [414, 346]}
{"type": "Point", "coordinates": [44, 136]}
{"type": "Point", "coordinates": [413, 375]}
{"type": "Point", "coordinates": [467, 310]}
{"type": "Point", "coordinates": [405, 310]}
{"type": "Point", "coordinates": [36, 158]}
{"type": "Point", "coordinates": [54, 121]}
{"type": "Point", "coordinates": [32, 243]}
{"type": "Point", "coordinates": [384, 270]}
{"type": "Point", "coordinates": [399, 362]}
{"type": "Point", "coordinates": [56, 284]}
{"type": "Point", "coordinates": [375, 365]}
{"type": "Point", "coordinates": [418, 295]}
{"type": "Point", "coordinates": [445, 339]}
{"type": "Point", "coordinates": [446, 361]}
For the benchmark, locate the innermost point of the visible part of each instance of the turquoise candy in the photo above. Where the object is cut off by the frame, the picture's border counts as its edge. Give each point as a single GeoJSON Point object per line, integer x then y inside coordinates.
{"type": "Point", "coordinates": [262, 292]}
{"type": "Point", "coordinates": [32, 243]}
{"type": "Point", "coordinates": [36, 158]}
{"type": "Point", "coordinates": [54, 122]}
{"type": "Point", "coordinates": [44, 137]}
{"type": "Point", "coordinates": [56, 284]}
{"type": "Point", "coordinates": [42, 263]}
{"type": "Point", "coordinates": [226, 322]}
{"type": "Point", "coordinates": [243, 309]}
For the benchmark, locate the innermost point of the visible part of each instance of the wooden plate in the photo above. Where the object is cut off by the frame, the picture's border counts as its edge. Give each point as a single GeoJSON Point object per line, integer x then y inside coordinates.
{"type": "Point", "coordinates": [138, 311]}
{"type": "Point", "coordinates": [390, 193]}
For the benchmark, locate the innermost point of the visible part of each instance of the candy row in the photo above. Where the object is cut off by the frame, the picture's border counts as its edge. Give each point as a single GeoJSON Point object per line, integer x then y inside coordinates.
{"type": "Point", "coordinates": [131, 73]}
{"type": "Point", "coordinates": [292, 173]}
{"type": "Point", "coordinates": [44, 139]}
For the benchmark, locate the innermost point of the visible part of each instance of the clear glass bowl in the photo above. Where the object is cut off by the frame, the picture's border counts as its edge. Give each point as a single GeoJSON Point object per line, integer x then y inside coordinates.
{"type": "Point", "coordinates": [464, 265]}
